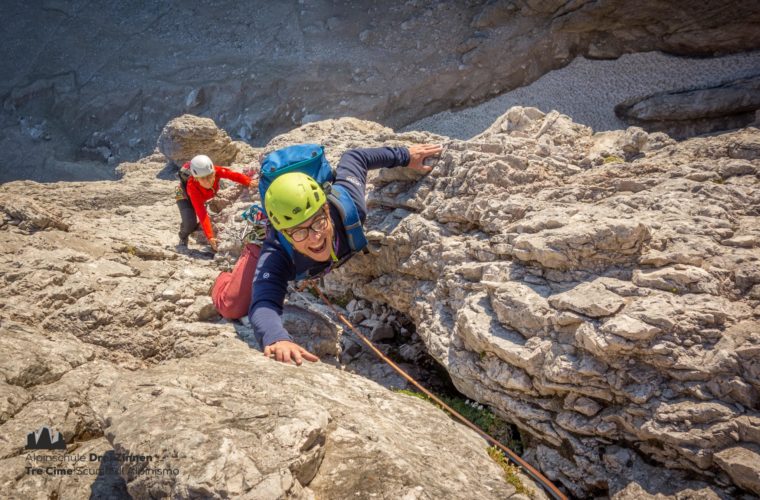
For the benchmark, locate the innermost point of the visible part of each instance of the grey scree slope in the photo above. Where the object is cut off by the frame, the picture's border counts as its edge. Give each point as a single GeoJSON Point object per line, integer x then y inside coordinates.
{"type": "Point", "coordinates": [588, 90]}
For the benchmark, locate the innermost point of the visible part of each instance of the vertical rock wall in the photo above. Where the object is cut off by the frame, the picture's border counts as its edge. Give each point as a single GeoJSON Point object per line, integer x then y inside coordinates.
{"type": "Point", "coordinates": [595, 289]}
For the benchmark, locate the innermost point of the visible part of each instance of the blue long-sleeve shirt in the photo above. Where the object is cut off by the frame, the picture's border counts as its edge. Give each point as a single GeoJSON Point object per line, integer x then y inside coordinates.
{"type": "Point", "coordinates": [275, 267]}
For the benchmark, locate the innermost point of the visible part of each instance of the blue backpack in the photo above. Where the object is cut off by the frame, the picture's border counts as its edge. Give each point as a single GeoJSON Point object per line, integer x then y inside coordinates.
{"type": "Point", "coordinates": [310, 160]}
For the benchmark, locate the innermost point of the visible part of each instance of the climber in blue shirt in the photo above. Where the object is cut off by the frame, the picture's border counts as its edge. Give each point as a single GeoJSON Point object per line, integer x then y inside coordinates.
{"type": "Point", "coordinates": [298, 208]}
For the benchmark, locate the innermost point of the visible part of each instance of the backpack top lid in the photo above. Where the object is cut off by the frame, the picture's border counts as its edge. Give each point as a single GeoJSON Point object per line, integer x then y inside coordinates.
{"type": "Point", "coordinates": [305, 158]}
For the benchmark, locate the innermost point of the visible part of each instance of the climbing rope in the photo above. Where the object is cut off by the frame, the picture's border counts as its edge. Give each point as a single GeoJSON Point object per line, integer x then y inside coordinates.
{"type": "Point", "coordinates": [514, 457]}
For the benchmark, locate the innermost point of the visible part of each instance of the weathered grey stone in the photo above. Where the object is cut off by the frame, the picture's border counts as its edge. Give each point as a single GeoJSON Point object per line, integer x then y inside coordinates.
{"type": "Point", "coordinates": [635, 491]}
{"type": "Point", "coordinates": [188, 135]}
{"type": "Point", "coordinates": [743, 241]}
{"type": "Point", "coordinates": [498, 46]}
{"type": "Point", "coordinates": [107, 268]}
{"type": "Point", "coordinates": [98, 479]}
{"type": "Point", "coordinates": [590, 299]}
{"type": "Point", "coordinates": [678, 279]}
{"type": "Point", "coordinates": [746, 150]}
{"type": "Point", "coordinates": [736, 167]}
{"type": "Point", "coordinates": [202, 309]}
{"type": "Point", "coordinates": [685, 113]}
{"type": "Point", "coordinates": [749, 428]}
{"type": "Point", "coordinates": [742, 463]}
{"type": "Point", "coordinates": [236, 409]}
{"type": "Point", "coordinates": [633, 141]}
{"type": "Point", "coordinates": [625, 326]}
{"type": "Point", "coordinates": [383, 331]}
{"type": "Point", "coordinates": [27, 214]}
{"type": "Point", "coordinates": [520, 307]}
{"type": "Point", "coordinates": [651, 337]}
{"type": "Point", "coordinates": [583, 405]}
{"type": "Point", "coordinates": [12, 399]}
{"type": "Point", "coordinates": [312, 328]}
{"type": "Point", "coordinates": [30, 360]}
{"type": "Point", "coordinates": [582, 245]}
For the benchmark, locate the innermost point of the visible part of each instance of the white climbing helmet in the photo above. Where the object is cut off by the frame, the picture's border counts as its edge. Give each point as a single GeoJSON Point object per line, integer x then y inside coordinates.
{"type": "Point", "coordinates": [201, 166]}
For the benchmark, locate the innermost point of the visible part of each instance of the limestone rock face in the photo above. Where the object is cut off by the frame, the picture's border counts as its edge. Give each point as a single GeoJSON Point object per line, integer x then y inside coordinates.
{"type": "Point", "coordinates": [740, 463]}
{"type": "Point", "coordinates": [108, 335]}
{"type": "Point", "coordinates": [242, 424]}
{"type": "Point", "coordinates": [600, 291]}
{"type": "Point", "coordinates": [188, 135]}
{"type": "Point", "coordinates": [698, 111]}
{"type": "Point", "coordinates": [590, 291]}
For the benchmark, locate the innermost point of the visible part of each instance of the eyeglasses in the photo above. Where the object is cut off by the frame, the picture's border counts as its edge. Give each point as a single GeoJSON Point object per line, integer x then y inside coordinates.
{"type": "Point", "coordinates": [301, 233]}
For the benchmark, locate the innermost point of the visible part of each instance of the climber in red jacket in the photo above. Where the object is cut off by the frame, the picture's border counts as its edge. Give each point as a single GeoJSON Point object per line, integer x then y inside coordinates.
{"type": "Point", "coordinates": [202, 183]}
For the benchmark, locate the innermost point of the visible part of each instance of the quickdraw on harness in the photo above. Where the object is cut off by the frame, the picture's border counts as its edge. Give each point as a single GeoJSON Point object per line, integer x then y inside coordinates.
{"type": "Point", "coordinates": [255, 229]}
{"type": "Point", "coordinates": [550, 487]}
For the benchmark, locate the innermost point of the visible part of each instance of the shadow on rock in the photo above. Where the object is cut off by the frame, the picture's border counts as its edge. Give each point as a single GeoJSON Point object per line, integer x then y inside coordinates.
{"type": "Point", "coordinates": [109, 483]}
{"type": "Point", "coordinates": [168, 173]}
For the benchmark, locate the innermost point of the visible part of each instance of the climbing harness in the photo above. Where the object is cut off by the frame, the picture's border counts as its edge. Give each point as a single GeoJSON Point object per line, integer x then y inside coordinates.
{"type": "Point", "coordinates": [529, 470]}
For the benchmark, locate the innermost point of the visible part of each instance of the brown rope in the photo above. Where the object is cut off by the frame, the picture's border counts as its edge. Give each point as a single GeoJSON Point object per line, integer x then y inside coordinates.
{"type": "Point", "coordinates": [530, 470]}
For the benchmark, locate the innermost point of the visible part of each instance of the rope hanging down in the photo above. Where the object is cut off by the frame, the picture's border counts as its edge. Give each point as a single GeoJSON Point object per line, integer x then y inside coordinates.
{"type": "Point", "coordinates": [515, 458]}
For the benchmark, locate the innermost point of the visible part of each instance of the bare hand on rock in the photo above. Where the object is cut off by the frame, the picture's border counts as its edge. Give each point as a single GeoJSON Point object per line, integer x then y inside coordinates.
{"type": "Point", "coordinates": [284, 351]}
{"type": "Point", "coordinates": [419, 152]}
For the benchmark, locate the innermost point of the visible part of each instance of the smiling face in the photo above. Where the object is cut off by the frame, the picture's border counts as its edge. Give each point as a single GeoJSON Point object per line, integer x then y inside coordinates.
{"type": "Point", "coordinates": [207, 181]}
{"type": "Point", "coordinates": [318, 243]}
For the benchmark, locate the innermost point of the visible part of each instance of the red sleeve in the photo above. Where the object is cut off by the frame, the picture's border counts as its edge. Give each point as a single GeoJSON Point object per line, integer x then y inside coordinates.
{"type": "Point", "coordinates": [226, 173]}
{"type": "Point", "coordinates": [200, 209]}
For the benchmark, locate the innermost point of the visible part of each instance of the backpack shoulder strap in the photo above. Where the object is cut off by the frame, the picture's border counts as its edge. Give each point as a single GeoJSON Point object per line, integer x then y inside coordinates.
{"type": "Point", "coordinates": [350, 217]}
{"type": "Point", "coordinates": [286, 245]}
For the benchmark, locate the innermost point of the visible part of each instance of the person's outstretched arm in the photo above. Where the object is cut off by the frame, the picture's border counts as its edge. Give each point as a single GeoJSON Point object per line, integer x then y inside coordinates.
{"type": "Point", "coordinates": [270, 285]}
{"type": "Point", "coordinates": [353, 166]}
{"type": "Point", "coordinates": [226, 173]}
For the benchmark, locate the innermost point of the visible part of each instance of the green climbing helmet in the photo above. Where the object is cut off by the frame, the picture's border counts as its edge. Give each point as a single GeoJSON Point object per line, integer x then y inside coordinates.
{"type": "Point", "coordinates": [291, 199]}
